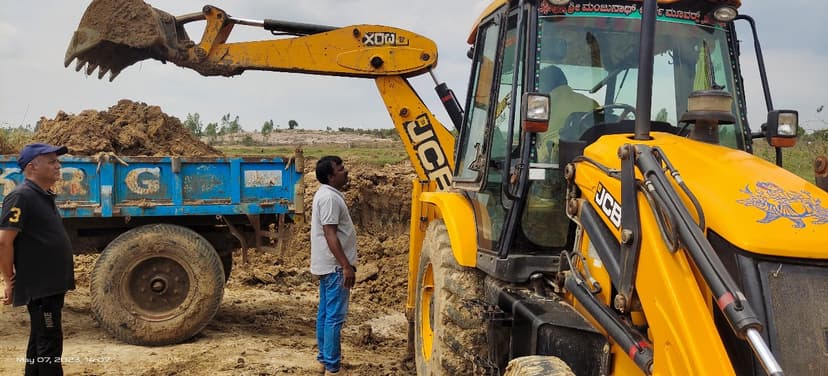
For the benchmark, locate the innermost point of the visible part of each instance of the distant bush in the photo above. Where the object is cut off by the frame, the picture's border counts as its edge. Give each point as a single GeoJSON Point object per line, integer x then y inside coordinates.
{"type": "Point", "coordinates": [389, 133]}
{"type": "Point", "coordinates": [248, 141]}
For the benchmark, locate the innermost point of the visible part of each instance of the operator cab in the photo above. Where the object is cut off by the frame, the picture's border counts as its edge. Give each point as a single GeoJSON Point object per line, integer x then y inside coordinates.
{"type": "Point", "coordinates": [586, 60]}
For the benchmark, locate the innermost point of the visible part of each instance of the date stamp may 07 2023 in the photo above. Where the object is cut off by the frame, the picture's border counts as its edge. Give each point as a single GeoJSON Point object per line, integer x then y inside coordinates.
{"type": "Point", "coordinates": [65, 359]}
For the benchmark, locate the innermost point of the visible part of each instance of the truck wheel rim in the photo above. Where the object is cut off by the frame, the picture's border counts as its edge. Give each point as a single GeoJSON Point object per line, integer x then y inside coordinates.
{"type": "Point", "coordinates": [427, 312]}
{"type": "Point", "coordinates": [156, 286]}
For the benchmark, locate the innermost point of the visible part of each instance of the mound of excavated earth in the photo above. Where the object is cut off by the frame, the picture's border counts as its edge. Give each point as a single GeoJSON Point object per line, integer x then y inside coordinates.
{"type": "Point", "coordinates": [127, 128]}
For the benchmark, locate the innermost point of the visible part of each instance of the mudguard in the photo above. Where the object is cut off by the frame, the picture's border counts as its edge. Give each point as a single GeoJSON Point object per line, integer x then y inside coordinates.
{"type": "Point", "coordinates": [457, 213]}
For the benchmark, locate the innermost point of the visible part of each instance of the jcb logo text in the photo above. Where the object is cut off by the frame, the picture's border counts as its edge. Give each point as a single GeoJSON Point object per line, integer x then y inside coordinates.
{"type": "Point", "coordinates": [432, 158]}
{"type": "Point", "coordinates": [609, 205]}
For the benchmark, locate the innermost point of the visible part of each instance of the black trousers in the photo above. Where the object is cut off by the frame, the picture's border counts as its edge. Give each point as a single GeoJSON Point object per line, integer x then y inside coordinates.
{"type": "Point", "coordinates": [43, 355]}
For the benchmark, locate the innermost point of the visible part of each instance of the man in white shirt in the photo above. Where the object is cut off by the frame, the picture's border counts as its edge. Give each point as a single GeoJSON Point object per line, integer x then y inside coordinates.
{"type": "Point", "coordinates": [333, 256]}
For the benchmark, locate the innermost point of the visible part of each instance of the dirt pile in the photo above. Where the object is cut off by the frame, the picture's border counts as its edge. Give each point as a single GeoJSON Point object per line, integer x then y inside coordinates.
{"type": "Point", "coordinates": [127, 128]}
{"type": "Point", "coordinates": [379, 202]}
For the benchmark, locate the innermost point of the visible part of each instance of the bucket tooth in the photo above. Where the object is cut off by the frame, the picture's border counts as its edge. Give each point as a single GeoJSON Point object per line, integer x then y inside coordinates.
{"type": "Point", "coordinates": [102, 72]}
{"type": "Point", "coordinates": [79, 65]}
{"type": "Point", "coordinates": [90, 68]}
{"type": "Point", "coordinates": [113, 74]}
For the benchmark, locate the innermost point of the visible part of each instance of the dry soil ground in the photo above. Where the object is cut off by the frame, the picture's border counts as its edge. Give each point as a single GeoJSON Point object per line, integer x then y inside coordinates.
{"type": "Point", "coordinates": [266, 323]}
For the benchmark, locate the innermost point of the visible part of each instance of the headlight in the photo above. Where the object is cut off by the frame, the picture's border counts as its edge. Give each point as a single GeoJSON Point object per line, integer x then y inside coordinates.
{"type": "Point", "coordinates": [782, 128]}
{"type": "Point", "coordinates": [724, 14]}
{"type": "Point", "coordinates": [787, 124]}
{"type": "Point", "coordinates": [535, 112]}
{"type": "Point", "coordinates": [537, 108]}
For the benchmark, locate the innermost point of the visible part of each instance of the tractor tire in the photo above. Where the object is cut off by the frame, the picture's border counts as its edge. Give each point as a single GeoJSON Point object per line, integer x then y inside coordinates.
{"type": "Point", "coordinates": [156, 285]}
{"type": "Point", "coordinates": [538, 365]}
{"type": "Point", "coordinates": [450, 334]}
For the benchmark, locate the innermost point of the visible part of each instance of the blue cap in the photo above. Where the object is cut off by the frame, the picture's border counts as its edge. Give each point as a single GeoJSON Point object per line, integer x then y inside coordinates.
{"type": "Point", "coordinates": [31, 151]}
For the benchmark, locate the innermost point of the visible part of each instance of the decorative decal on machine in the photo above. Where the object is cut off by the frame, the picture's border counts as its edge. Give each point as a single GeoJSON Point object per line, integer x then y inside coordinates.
{"type": "Point", "coordinates": [430, 154]}
{"type": "Point", "coordinates": [665, 11]}
{"type": "Point", "coordinates": [609, 205]}
{"type": "Point", "coordinates": [778, 203]}
{"type": "Point", "coordinates": [144, 181]}
{"type": "Point", "coordinates": [73, 181]}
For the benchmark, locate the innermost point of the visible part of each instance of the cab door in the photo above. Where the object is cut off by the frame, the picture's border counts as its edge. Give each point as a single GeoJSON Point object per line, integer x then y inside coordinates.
{"type": "Point", "coordinates": [485, 137]}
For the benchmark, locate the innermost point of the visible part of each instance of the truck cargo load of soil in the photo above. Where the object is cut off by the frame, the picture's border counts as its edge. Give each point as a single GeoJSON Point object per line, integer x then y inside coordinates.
{"type": "Point", "coordinates": [127, 128]}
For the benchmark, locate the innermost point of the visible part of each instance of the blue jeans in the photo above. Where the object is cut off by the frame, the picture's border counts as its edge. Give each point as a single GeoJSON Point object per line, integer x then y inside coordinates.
{"type": "Point", "coordinates": [333, 307]}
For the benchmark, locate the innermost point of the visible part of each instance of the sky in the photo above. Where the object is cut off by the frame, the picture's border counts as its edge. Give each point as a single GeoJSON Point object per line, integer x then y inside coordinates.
{"type": "Point", "coordinates": [34, 36]}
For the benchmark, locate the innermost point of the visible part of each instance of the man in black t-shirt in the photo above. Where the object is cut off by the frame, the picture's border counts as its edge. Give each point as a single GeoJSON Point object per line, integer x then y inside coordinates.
{"type": "Point", "coordinates": [36, 256]}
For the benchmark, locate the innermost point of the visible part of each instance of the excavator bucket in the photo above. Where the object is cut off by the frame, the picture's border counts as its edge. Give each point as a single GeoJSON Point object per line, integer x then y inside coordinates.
{"type": "Point", "coordinates": [114, 34]}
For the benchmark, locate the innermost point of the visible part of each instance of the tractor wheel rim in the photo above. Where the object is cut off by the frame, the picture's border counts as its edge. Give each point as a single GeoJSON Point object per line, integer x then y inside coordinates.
{"type": "Point", "coordinates": [156, 286]}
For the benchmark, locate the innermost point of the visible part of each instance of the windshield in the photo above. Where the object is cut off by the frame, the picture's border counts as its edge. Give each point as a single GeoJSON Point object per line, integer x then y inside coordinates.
{"type": "Point", "coordinates": [587, 62]}
{"type": "Point", "coordinates": [597, 58]}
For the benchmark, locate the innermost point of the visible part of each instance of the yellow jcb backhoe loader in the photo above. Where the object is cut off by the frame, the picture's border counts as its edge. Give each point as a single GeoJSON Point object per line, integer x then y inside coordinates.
{"type": "Point", "coordinates": [601, 213]}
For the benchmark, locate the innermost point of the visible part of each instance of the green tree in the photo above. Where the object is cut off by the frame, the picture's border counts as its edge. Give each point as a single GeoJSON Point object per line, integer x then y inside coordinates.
{"type": "Point", "coordinates": [267, 128]}
{"type": "Point", "coordinates": [211, 131]}
{"type": "Point", "coordinates": [230, 126]}
{"type": "Point", "coordinates": [194, 124]}
{"type": "Point", "coordinates": [292, 124]}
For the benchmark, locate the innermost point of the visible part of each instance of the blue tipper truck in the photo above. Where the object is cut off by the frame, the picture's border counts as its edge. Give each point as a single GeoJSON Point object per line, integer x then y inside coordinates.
{"type": "Point", "coordinates": [166, 228]}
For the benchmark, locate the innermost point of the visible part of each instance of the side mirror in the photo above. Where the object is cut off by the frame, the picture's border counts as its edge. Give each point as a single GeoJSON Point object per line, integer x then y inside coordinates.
{"type": "Point", "coordinates": [782, 128]}
{"type": "Point", "coordinates": [535, 112]}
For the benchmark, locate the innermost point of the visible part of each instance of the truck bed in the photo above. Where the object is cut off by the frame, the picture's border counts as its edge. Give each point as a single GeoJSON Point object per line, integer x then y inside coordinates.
{"type": "Point", "coordinates": [168, 186]}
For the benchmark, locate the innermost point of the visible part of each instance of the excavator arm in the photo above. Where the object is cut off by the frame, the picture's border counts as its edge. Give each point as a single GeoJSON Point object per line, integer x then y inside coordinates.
{"type": "Point", "coordinates": [114, 34]}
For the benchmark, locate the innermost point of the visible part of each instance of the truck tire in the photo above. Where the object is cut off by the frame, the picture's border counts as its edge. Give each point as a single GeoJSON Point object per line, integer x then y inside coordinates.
{"type": "Point", "coordinates": [538, 365]}
{"type": "Point", "coordinates": [450, 335]}
{"type": "Point", "coordinates": [156, 285]}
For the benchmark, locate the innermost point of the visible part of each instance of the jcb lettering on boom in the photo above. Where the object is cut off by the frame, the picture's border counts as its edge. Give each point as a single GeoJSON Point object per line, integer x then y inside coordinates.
{"type": "Point", "coordinates": [432, 158]}
{"type": "Point", "coordinates": [384, 39]}
{"type": "Point", "coordinates": [609, 205]}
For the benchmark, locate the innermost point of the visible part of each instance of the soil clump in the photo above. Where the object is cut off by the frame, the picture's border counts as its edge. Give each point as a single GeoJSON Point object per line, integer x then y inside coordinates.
{"type": "Point", "coordinates": [127, 129]}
